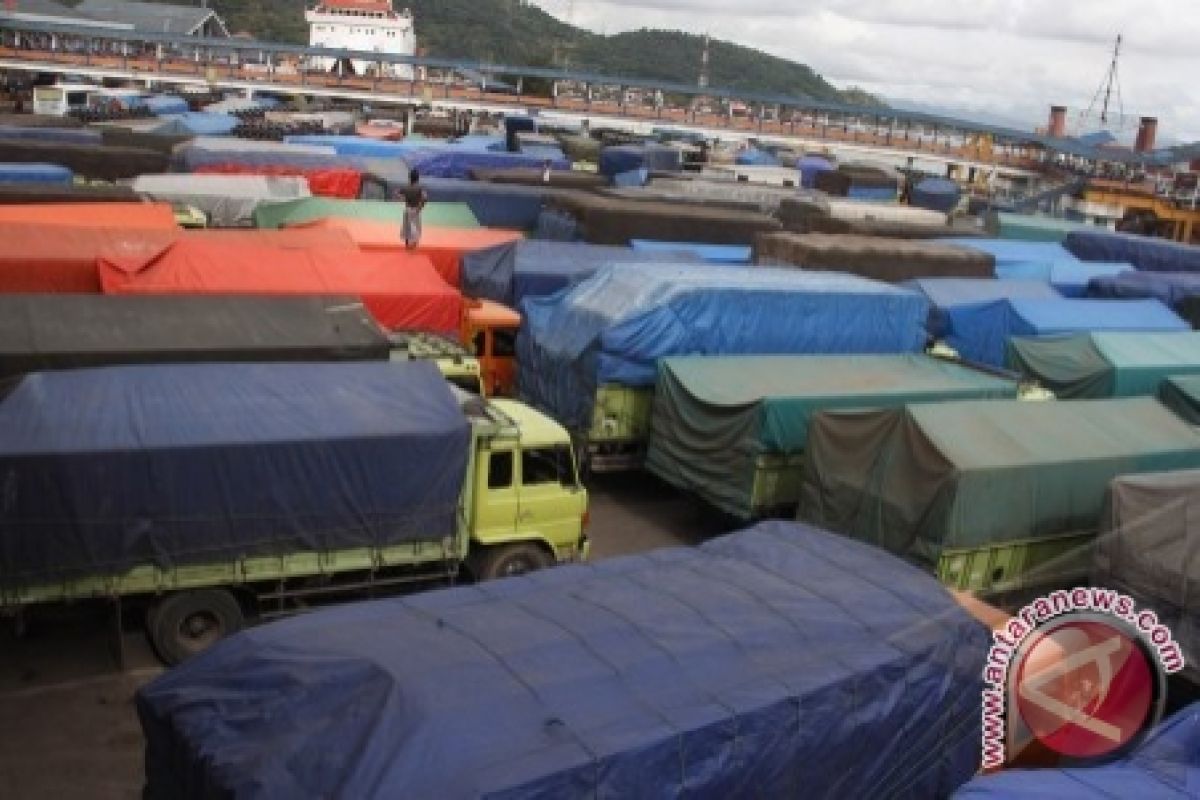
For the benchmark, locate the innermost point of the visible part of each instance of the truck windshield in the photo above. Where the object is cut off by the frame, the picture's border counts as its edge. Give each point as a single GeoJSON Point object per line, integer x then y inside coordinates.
{"type": "Point", "coordinates": [548, 465]}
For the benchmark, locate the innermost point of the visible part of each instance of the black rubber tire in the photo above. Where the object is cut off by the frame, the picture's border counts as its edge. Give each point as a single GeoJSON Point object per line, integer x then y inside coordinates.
{"type": "Point", "coordinates": [510, 561]}
{"type": "Point", "coordinates": [187, 623]}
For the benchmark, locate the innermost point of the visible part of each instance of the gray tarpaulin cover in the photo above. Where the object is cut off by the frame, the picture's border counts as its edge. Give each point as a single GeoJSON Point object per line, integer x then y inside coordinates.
{"type": "Point", "coordinates": [1105, 364]}
{"type": "Point", "coordinates": [1181, 393]}
{"type": "Point", "coordinates": [111, 468]}
{"type": "Point", "coordinates": [228, 200]}
{"type": "Point", "coordinates": [615, 326]}
{"type": "Point", "coordinates": [962, 475]}
{"type": "Point", "coordinates": [715, 416]}
{"type": "Point", "coordinates": [1148, 548]}
{"type": "Point", "coordinates": [69, 331]}
{"type": "Point", "coordinates": [874, 257]}
{"type": "Point", "coordinates": [778, 662]}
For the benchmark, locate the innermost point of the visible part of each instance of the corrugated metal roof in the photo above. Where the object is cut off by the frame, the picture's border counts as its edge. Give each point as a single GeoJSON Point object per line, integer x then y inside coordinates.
{"type": "Point", "coordinates": [149, 17]}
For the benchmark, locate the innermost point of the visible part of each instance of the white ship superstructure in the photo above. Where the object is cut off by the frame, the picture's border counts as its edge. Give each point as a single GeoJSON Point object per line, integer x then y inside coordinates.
{"type": "Point", "coordinates": [362, 25]}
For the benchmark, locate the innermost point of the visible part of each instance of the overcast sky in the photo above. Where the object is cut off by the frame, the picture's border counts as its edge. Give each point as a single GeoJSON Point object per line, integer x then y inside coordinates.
{"type": "Point", "coordinates": [1011, 58]}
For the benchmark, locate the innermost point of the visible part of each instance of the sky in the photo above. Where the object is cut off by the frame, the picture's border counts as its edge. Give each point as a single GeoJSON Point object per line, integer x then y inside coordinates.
{"type": "Point", "coordinates": [1009, 59]}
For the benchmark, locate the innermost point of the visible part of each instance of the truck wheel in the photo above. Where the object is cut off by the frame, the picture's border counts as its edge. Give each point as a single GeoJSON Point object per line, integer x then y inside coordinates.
{"type": "Point", "coordinates": [511, 560]}
{"type": "Point", "coordinates": [186, 623]}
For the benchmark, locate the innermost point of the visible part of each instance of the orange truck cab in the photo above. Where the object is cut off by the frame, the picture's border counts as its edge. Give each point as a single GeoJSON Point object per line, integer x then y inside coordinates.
{"type": "Point", "coordinates": [490, 330]}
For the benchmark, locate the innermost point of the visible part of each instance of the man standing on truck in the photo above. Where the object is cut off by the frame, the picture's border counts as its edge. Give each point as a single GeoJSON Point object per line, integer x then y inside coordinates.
{"type": "Point", "coordinates": [415, 198]}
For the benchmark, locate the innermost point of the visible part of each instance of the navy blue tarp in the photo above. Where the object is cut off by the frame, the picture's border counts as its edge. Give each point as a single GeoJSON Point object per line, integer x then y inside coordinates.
{"type": "Point", "coordinates": [615, 326]}
{"type": "Point", "coordinates": [622, 159]}
{"type": "Point", "coordinates": [1071, 278]}
{"type": "Point", "coordinates": [509, 273]}
{"type": "Point", "coordinates": [812, 166]}
{"type": "Point", "coordinates": [1143, 252]}
{"type": "Point", "coordinates": [109, 468]}
{"type": "Point", "coordinates": [782, 661]}
{"type": "Point", "coordinates": [449, 163]}
{"type": "Point", "coordinates": [980, 333]}
{"type": "Point", "coordinates": [1172, 288]}
{"type": "Point", "coordinates": [944, 294]}
{"type": "Point", "coordinates": [495, 205]}
{"type": "Point", "coordinates": [35, 173]}
{"type": "Point", "coordinates": [936, 194]}
{"type": "Point", "coordinates": [1164, 766]}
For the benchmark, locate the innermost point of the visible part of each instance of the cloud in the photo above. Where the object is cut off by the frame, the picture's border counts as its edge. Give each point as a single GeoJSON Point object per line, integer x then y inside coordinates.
{"type": "Point", "coordinates": [1009, 57]}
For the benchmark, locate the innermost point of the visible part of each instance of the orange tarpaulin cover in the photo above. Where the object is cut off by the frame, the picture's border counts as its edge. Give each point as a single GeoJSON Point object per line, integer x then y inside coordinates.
{"type": "Point", "coordinates": [443, 246]}
{"type": "Point", "coordinates": [38, 258]}
{"type": "Point", "coordinates": [93, 215]}
{"type": "Point", "coordinates": [413, 297]}
{"type": "Point", "coordinates": [62, 259]}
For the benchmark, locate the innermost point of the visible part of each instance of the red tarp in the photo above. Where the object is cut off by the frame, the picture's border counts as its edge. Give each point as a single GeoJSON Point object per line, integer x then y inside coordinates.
{"type": "Point", "coordinates": [62, 259]}
{"type": "Point", "coordinates": [341, 183]}
{"type": "Point", "coordinates": [402, 291]}
{"type": "Point", "coordinates": [443, 246]}
{"type": "Point", "coordinates": [54, 259]}
{"type": "Point", "coordinates": [93, 215]}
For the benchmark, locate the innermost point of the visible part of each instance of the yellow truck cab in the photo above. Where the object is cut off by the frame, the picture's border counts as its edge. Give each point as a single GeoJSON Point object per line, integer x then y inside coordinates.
{"type": "Point", "coordinates": [455, 362]}
{"type": "Point", "coordinates": [529, 508]}
{"type": "Point", "coordinates": [490, 330]}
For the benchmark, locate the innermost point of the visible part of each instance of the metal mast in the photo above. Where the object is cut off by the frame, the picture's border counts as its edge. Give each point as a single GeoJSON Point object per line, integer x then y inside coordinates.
{"type": "Point", "coordinates": [1110, 85]}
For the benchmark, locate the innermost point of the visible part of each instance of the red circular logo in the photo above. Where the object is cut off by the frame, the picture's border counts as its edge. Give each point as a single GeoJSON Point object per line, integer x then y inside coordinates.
{"type": "Point", "coordinates": [1085, 687]}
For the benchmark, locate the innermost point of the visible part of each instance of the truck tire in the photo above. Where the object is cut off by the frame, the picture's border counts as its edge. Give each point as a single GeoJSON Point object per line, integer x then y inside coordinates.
{"type": "Point", "coordinates": [186, 623]}
{"type": "Point", "coordinates": [511, 560]}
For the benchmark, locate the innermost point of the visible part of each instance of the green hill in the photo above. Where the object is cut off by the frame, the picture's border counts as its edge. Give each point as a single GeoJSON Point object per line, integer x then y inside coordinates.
{"type": "Point", "coordinates": [511, 32]}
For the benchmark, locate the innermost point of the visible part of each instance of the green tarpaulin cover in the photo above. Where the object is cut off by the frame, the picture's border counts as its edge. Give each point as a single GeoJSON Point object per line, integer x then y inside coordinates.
{"type": "Point", "coordinates": [1026, 228]}
{"type": "Point", "coordinates": [294, 212]}
{"type": "Point", "coordinates": [1100, 365]}
{"type": "Point", "coordinates": [1181, 393]}
{"type": "Point", "coordinates": [925, 478]}
{"type": "Point", "coordinates": [714, 417]}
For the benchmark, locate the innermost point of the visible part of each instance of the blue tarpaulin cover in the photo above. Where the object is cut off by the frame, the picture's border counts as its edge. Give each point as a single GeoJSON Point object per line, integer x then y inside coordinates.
{"type": "Point", "coordinates": [781, 661]}
{"type": "Point", "coordinates": [35, 173]}
{"type": "Point", "coordinates": [980, 333]}
{"type": "Point", "coordinates": [1173, 288]}
{"type": "Point", "coordinates": [1144, 252]}
{"type": "Point", "coordinates": [754, 157]}
{"type": "Point", "coordinates": [812, 166]}
{"type": "Point", "coordinates": [161, 104]}
{"type": "Point", "coordinates": [620, 159]}
{"type": "Point", "coordinates": [66, 135]}
{"type": "Point", "coordinates": [936, 194]}
{"type": "Point", "coordinates": [114, 467]}
{"type": "Point", "coordinates": [712, 253]}
{"type": "Point", "coordinates": [509, 273]}
{"type": "Point", "coordinates": [944, 294]}
{"type": "Point", "coordinates": [364, 146]}
{"type": "Point", "coordinates": [1165, 766]}
{"type": "Point", "coordinates": [615, 326]}
{"type": "Point", "coordinates": [205, 123]}
{"type": "Point", "coordinates": [872, 194]}
{"type": "Point", "coordinates": [1008, 251]}
{"type": "Point", "coordinates": [495, 205]}
{"type": "Point", "coordinates": [449, 163]}
{"type": "Point", "coordinates": [1071, 278]}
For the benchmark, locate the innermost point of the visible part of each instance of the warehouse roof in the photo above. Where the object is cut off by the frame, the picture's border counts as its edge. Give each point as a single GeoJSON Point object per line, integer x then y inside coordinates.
{"type": "Point", "coordinates": [154, 17]}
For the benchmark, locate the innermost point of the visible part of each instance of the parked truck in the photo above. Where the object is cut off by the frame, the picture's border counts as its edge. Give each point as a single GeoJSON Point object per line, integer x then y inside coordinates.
{"type": "Point", "coordinates": [590, 356]}
{"type": "Point", "coordinates": [208, 494]}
